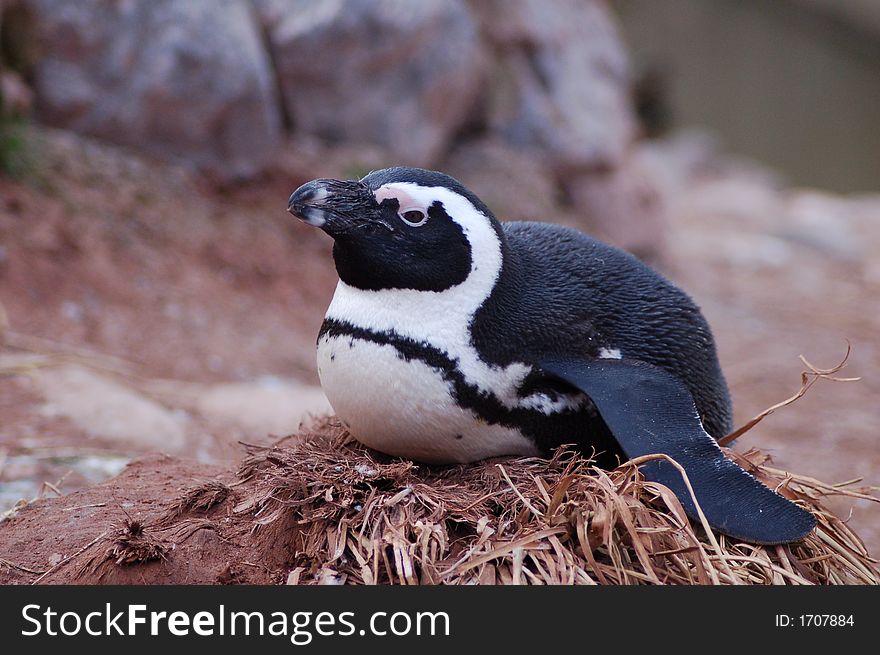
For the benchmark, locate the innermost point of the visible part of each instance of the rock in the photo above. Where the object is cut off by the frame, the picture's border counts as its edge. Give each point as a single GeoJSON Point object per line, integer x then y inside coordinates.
{"type": "Point", "coordinates": [561, 84]}
{"type": "Point", "coordinates": [403, 74]}
{"type": "Point", "coordinates": [252, 410]}
{"type": "Point", "coordinates": [4, 317]}
{"type": "Point", "coordinates": [306, 157]}
{"type": "Point", "coordinates": [15, 96]}
{"type": "Point", "coordinates": [269, 406]}
{"type": "Point", "coordinates": [184, 79]}
{"type": "Point", "coordinates": [821, 222]}
{"type": "Point", "coordinates": [109, 411]}
{"type": "Point", "coordinates": [622, 206]}
{"type": "Point", "coordinates": [561, 90]}
{"type": "Point", "coordinates": [514, 184]}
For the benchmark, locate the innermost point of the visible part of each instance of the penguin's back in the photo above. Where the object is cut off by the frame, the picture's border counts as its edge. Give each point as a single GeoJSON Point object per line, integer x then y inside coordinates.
{"type": "Point", "coordinates": [562, 291]}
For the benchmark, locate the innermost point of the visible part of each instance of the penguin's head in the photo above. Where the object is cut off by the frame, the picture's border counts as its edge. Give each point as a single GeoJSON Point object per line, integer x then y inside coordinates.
{"type": "Point", "coordinates": [401, 228]}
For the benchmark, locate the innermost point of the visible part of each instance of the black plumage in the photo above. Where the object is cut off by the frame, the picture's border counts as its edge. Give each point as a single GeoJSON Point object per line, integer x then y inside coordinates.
{"type": "Point", "coordinates": [562, 292]}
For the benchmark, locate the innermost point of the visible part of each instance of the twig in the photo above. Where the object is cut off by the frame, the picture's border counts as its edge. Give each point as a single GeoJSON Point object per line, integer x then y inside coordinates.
{"type": "Point", "coordinates": [64, 352]}
{"type": "Point", "coordinates": [709, 534]}
{"type": "Point", "coordinates": [525, 502]}
{"type": "Point", "coordinates": [13, 565]}
{"type": "Point", "coordinates": [67, 559]}
{"type": "Point", "coordinates": [808, 379]}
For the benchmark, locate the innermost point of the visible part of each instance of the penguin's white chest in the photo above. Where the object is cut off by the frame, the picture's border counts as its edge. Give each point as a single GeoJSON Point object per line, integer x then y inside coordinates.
{"type": "Point", "coordinates": [405, 407]}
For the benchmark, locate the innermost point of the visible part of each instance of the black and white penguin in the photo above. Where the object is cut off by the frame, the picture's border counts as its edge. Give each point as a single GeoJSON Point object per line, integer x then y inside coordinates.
{"type": "Point", "coordinates": [453, 337]}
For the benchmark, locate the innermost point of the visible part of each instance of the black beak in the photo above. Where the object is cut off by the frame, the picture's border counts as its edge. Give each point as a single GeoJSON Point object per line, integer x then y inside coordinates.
{"type": "Point", "coordinates": [309, 203]}
{"type": "Point", "coordinates": [339, 207]}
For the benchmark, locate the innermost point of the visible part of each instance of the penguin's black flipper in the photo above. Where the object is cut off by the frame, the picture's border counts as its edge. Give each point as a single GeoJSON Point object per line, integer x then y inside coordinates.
{"type": "Point", "coordinates": [650, 411]}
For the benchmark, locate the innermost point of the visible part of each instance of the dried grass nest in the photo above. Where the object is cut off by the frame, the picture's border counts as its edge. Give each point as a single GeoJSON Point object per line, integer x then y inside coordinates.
{"type": "Point", "coordinates": [363, 518]}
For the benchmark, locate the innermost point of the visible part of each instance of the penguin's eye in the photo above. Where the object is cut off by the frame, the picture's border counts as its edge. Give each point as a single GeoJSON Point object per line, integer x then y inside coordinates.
{"type": "Point", "coordinates": [414, 217]}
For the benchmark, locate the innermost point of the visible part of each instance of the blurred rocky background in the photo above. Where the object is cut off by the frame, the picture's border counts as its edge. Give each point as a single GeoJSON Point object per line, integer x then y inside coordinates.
{"type": "Point", "coordinates": [154, 294]}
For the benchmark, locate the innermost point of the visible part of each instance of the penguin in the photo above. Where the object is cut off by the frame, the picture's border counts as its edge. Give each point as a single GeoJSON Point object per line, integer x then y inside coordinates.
{"type": "Point", "coordinates": [453, 337]}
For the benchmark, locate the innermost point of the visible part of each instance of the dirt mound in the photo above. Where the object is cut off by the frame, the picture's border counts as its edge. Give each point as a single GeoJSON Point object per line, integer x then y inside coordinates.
{"type": "Point", "coordinates": [207, 301]}
{"type": "Point", "coordinates": [322, 509]}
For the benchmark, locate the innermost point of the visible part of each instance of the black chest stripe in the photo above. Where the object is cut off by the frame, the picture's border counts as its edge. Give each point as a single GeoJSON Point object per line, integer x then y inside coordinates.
{"type": "Point", "coordinates": [581, 426]}
{"type": "Point", "coordinates": [484, 404]}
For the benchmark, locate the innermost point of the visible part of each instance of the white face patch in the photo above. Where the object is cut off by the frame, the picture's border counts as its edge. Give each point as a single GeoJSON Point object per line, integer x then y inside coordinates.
{"type": "Point", "coordinates": [406, 202]}
{"type": "Point", "coordinates": [394, 192]}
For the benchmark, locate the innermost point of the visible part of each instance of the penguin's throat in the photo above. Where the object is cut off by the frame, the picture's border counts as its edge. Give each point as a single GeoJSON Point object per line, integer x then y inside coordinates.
{"type": "Point", "coordinates": [442, 318]}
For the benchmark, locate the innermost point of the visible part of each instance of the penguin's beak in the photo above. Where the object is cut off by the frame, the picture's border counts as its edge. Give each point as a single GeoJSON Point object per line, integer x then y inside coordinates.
{"type": "Point", "coordinates": [335, 206]}
{"type": "Point", "coordinates": [307, 203]}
